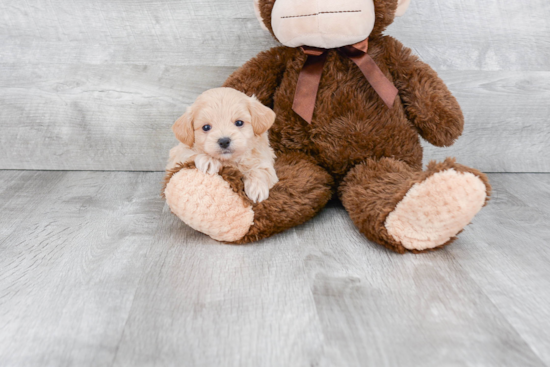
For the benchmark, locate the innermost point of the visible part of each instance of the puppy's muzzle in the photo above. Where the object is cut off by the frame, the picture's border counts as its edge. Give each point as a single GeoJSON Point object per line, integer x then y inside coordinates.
{"type": "Point", "coordinates": [224, 143]}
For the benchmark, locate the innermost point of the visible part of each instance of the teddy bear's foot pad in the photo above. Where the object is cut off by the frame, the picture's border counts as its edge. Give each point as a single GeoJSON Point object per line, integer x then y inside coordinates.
{"type": "Point", "coordinates": [207, 204]}
{"type": "Point", "coordinates": [437, 209]}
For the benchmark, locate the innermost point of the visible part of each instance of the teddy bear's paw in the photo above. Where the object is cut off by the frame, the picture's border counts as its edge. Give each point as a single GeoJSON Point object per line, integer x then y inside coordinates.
{"type": "Point", "coordinates": [437, 209]}
{"type": "Point", "coordinates": [207, 204]}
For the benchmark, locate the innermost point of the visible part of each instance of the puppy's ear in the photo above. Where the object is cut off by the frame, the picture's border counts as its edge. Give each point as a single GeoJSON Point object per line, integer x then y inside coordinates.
{"type": "Point", "coordinates": [262, 117]}
{"type": "Point", "coordinates": [183, 128]}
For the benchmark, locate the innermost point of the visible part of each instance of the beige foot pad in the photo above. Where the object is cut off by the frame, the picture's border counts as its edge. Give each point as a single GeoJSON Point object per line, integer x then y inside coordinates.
{"type": "Point", "coordinates": [436, 209]}
{"type": "Point", "coordinates": [207, 204]}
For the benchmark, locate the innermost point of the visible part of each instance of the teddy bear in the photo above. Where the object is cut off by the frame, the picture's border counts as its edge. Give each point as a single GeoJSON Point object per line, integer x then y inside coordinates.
{"type": "Point", "coordinates": [351, 105]}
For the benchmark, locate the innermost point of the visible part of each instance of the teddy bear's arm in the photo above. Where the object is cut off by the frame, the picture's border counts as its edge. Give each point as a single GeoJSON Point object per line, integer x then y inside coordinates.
{"type": "Point", "coordinates": [261, 75]}
{"type": "Point", "coordinates": [429, 104]}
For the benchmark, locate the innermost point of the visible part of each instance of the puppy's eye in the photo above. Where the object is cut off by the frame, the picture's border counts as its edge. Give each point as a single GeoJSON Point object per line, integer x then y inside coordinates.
{"type": "Point", "coordinates": [239, 123]}
{"type": "Point", "coordinates": [207, 127]}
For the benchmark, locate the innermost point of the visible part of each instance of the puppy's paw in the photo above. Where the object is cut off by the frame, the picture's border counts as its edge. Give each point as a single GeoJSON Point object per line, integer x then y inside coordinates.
{"type": "Point", "coordinates": [256, 189]}
{"type": "Point", "coordinates": [207, 164]}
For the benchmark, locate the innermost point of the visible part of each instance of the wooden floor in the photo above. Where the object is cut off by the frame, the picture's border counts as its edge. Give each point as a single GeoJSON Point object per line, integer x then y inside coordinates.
{"type": "Point", "coordinates": [95, 271]}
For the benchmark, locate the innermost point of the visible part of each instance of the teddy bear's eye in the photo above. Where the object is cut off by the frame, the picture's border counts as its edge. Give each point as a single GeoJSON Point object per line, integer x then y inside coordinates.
{"type": "Point", "coordinates": [239, 123]}
{"type": "Point", "coordinates": [207, 127]}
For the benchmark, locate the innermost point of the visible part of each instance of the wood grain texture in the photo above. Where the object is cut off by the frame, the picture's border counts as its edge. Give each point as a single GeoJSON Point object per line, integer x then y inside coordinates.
{"type": "Point", "coordinates": [71, 263]}
{"type": "Point", "coordinates": [18, 192]}
{"type": "Point", "coordinates": [95, 271]}
{"type": "Point", "coordinates": [455, 34]}
{"type": "Point", "coordinates": [96, 85]}
{"type": "Point", "coordinates": [507, 121]}
{"type": "Point", "coordinates": [515, 278]}
{"type": "Point", "coordinates": [75, 117]}
{"type": "Point", "coordinates": [471, 35]}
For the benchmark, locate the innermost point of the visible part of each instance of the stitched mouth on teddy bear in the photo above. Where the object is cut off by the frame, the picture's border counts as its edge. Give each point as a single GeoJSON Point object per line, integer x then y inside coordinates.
{"type": "Point", "coordinates": [321, 13]}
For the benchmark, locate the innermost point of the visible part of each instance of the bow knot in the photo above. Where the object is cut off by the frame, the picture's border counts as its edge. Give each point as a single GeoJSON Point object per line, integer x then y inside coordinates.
{"type": "Point", "coordinates": [310, 77]}
{"type": "Point", "coordinates": [313, 51]}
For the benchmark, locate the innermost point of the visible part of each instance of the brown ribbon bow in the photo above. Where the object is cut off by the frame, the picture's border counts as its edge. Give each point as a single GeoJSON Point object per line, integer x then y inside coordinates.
{"type": "Point", "coordinates": [310, 77]}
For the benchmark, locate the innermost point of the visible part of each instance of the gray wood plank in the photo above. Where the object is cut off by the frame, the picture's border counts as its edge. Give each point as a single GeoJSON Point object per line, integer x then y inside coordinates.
{"type": "Point", "coordinates": [217, 33]}
{"type": "Point", "coordinates": [507, 252]}
{"type": "Point", "coordinates": [19, 191]}
{"type": "Point", "coordinates": [507, 121]}
{"type": "Point", "coordinates": [96, 271]}
{"type": "Point", "coordinates": [413, 310]}
{"type": "Point", "coordinates": [71, 267]}
{"type": "Point", "coordinates": [82, 117]}
{"type": "Point", "coordinates": [205, 304]}
{"type": "Point", "coordinates": [474, 35]}
{"type": "Point", "coordinates": [96, 85]}
{"type": "Point", "coordinates": [118, 117]}
{"type": "Point", "coordinates": [455, 34]}
{"type": "Point", "coordinates": [362, 305]}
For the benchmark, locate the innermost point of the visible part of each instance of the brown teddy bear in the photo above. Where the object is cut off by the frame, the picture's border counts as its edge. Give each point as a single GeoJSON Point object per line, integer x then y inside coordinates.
{"type": "Point", "coordinates": [351, 105]}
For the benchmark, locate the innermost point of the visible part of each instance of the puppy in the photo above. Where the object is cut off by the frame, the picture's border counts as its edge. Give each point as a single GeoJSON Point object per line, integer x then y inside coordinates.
{"type": "Point", "coordinates": [225, 127]}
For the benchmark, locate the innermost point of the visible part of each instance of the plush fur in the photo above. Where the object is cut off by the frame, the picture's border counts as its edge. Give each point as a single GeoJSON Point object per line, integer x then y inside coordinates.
{"type": "Point", "coordinates": [207, 205]}
{"type": "Point", "coordinates": [294, 200]}
{"type": "Point", "coordinates": [372, 190]}
{"type": "Point", "coordinates": [435, 210]}
{"type": "Point", "coordinates": [356, 146]}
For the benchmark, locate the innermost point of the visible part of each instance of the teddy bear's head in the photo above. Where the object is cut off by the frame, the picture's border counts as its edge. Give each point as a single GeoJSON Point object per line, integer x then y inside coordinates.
{"type": "Point", "coordinates": [327, 23]}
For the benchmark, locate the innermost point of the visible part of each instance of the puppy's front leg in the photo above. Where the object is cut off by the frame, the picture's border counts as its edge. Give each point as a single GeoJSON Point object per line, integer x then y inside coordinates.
{"type": "Point", "coordinates": [207, 164]}
{"type": "Point", "coordinates": [181, 153]}
{"type": "Point", "coordinates": [256, 186]}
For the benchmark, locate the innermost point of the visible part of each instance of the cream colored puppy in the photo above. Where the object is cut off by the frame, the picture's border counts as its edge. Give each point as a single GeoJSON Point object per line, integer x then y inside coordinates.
{"type": "Point", "coordinates": [225, 127]}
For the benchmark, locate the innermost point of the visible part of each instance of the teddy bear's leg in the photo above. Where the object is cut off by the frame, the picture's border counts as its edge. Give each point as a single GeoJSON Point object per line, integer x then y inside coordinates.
{"type": "Point", "coordinates": [303, 190]}
{"type": "Point", "coordinates": [217, 205]}
{"type": "Point", "coordinates": [207, 203]}
{"type": "Point", "coordinates": [405, 209]}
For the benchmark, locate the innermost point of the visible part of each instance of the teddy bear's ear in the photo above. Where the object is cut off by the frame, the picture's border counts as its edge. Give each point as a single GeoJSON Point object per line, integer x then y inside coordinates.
{"type": "Point", "coordinates": [402, 7]}
{"type": "Point", "coordinates": [259, 14]}
{"type": "Point", "coordinates": [183, 128]}
{"type": "Point", "coordinates": [262, 117]}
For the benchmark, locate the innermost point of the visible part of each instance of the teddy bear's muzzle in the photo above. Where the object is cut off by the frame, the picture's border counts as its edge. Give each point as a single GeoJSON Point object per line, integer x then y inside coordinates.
{"type": "Point", "coordinates": [322, 23]}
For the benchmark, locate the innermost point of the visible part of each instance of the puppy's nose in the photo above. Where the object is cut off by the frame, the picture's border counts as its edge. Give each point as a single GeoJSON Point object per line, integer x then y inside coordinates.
{"type": "Point", "coordinates": [224, 142]}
